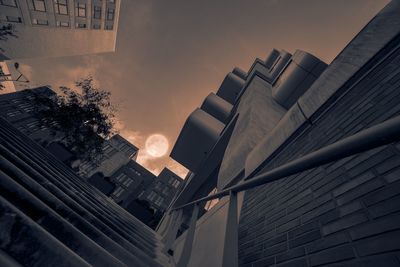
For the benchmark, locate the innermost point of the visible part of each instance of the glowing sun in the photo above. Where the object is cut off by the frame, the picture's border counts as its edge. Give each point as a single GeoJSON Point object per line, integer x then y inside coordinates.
{"type": "Point", "coordinates": [156, 145]}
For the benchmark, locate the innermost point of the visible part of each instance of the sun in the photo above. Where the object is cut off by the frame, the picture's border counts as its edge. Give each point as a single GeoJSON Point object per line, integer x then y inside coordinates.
{"type": "Point", "coordinates": [156, 145]}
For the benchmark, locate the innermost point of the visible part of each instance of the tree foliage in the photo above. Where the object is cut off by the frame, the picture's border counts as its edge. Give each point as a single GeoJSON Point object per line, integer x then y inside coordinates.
{"type": "Point", "coordinates": [6, 31]}
{"type": "Point", "coordinates": [85, 117]}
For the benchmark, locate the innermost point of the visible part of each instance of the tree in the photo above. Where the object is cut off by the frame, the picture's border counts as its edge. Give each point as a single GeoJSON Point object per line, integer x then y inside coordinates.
{"type": "Point", "coordinates": [6, 31]}
{"type": "Point", "coordinates": [85, 117]}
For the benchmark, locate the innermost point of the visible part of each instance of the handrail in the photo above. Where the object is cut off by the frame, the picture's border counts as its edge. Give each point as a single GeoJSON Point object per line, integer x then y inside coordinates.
{"type": "Point", "coordinates": [381, 134]}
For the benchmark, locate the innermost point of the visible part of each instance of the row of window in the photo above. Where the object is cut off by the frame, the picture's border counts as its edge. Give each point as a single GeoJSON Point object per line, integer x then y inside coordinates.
{"type": "Point", "coordinates": [155, 198]}
{"type": "Point", "coordinates": [61, 7]}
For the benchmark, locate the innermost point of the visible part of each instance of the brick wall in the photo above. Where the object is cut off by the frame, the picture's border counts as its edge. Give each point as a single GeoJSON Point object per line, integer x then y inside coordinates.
{"type": "Point", "coordinates": [346, 213]}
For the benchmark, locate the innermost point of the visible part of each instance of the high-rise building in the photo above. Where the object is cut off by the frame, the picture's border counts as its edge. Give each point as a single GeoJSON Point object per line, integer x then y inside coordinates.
{"type": "Point", "coordinates": [54, 28]}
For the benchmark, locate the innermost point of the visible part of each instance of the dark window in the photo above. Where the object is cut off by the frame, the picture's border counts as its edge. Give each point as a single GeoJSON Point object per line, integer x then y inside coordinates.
{"type": "Point", "coordinates": [39, 5]}
{"type": "Point", "coordinates": [97, 12]}
{"type": "Point", "coordinates": [96, 26]}
{"type": "Point", "coordinates": [63, 24]}
{"type": "Point", "coordinates": [80, 25]}
{"type": "Point", "coordinates": [110, 13]}
{"type": "Point", "coordinates": [109, 27]}
{"type": "Point", "coordinates": [80, 10]}
{"type": "Point", "coordinates": [61, 7]}
{"type": "Point", "coordinates": [12, 3]}
{"type": "Point", "coordinates": [40, 22]}
{"type": "Point", "coordinates": [14, 19]}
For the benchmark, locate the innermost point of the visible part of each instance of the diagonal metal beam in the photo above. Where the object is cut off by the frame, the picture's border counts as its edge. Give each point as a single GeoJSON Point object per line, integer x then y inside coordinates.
{"type": "Point", "coordinates": [381, 134]}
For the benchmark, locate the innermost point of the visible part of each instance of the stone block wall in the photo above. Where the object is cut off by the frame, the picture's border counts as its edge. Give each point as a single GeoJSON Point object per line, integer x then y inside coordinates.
{"type": "Point", "coordinates": [346, 213]}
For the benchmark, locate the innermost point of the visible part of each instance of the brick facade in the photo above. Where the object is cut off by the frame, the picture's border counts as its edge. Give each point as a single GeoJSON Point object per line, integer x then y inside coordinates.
{"type": "Point", "coordinates": [346, 213]}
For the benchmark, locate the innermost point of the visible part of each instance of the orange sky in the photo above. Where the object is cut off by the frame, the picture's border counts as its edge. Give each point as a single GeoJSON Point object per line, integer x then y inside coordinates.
{"type": "Point", "coordinates": [171, 54]}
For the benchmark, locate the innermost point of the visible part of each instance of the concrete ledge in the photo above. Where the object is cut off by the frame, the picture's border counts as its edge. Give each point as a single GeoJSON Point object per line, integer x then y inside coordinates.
{"type": "Point", "coordinates": [375, 35]}
{"type": "Point", "coordinates": [372, 38]}
{"type": "Point", "coordinates": [288, 125]}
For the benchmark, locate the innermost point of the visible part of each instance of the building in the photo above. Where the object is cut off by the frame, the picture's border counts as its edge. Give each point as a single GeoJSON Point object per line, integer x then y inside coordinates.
{"type": "Point", "coordinates": [300, 159]}
{"type": "Point", "coordinates": [306, 166]}
{"type": "Point", "coordinates": [117, 152]}
{"type": "Point", "coordinates": [130, 180]}
{"type": "Point", "coordinates": [55, 28]}
{"type": "Point", "coordinates": [20, 109]}
{"type": "Point", "coordinates": [163, 189]}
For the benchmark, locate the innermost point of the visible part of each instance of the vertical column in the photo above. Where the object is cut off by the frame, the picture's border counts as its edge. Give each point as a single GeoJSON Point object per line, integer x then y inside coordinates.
{"type": "Point", "coordinates": [187, 247]}
{"type": "Point", "coordinates": [230, 256]}
{"type": "Point", "coordinates": [170, 236]}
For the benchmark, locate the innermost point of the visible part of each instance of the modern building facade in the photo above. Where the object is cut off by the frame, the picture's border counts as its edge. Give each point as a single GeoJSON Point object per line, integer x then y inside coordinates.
{"type": "Point", "coordinates": [300, 159]}
{"type": "Point", "coordinates": [55, 28]}
{"type": "Point", "coordinates": [117, 152]}
{"type": "Point", "coordinates": [131, 180]}
{"type": "Point", "coordinates": [163, 189]}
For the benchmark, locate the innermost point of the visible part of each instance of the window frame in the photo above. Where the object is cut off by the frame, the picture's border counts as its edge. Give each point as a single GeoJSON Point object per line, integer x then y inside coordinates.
{"type": "Point", "coordinates": [58, 4]}
{"type": "Point", "coordinates": [35, 8]}
{"type": "Point", "coordinates": [14, 1]}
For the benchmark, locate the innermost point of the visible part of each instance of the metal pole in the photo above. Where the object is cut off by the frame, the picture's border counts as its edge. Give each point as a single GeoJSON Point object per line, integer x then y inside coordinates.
{"type": "Point", "coordinates": [230, 256]}
{"type": "Point", "coordinates": [187, 247]}
{"type": "Point", "coordinates": [382, 134]}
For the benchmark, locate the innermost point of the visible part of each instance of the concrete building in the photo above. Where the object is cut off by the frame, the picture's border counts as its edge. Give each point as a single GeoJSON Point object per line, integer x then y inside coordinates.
{"type": "Point", "coordinates": [300, 157]}
{"type": "Point", "coordinates": [117, 152]}
{"type": "Point", "coordinates": [55, 28]}
{"type": "Point", "coordinates": [306, 168]}
{"type": "Point", "coordinates": [131, 180]}
{"type": "Point", "coordinates": [163, 189]}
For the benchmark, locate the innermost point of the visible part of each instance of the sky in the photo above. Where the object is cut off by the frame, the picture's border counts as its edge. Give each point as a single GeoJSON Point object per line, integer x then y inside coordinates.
{"type": "Point", "coordinates": [171, 54]}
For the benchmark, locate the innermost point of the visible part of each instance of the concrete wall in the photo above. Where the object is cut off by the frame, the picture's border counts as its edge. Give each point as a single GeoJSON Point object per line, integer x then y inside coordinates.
{"type": "Point", "coordinates": [42, 41]}
{"type": "Point", "coordinates": [346, 212]}
{"type": "Point", "coordinates": [208, 244]}
{"type": "Point", "coordinates": [258, 115]}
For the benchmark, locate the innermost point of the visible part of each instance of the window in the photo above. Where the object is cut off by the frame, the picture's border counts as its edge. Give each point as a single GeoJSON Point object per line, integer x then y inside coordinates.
{"type": "Point", "coordinates": [118, 192]}
{"type": "Point", "coordinates": [127, 182]}
{"type": "Point", "coordinates": [80, 10]}
{"type": "Point", "coordinates": [176, 183]}
{"type": "Point", "coordinates": [151, 196]}
{"type": "Point", "coordinates": [61, 7]}
{"type": "Point", "coordinates": [39, 5]}
{"type": "Point", "coordinates": [12, 3]}
{"type": "Point", "coordinates": [14, 19]}
{"type": "Point", "coordinates": [159, 201]}
{"type": "Point", "coordinates": [40, 22]}
{"type": "Point", "coordinates": [121, 178]}
{"type": "Point", "coordinates": [80, 25]}
{"type": "Point", "coordinates": [158, 186]}
{"type": "Point", "coordinates": [109, 27]}
{"type": "Point", "coordinates": [110, 13]}
{"type": "Point", "coordinates": [96, 26]}
{"type": "Point", "coordinates": [97, 12]}
{"type": "Point", "coordinates": [13, 113]}
{"type": "Point", "coordinates": [165, 191]}
{"type": "Point", "coordinates": [63, 24]}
